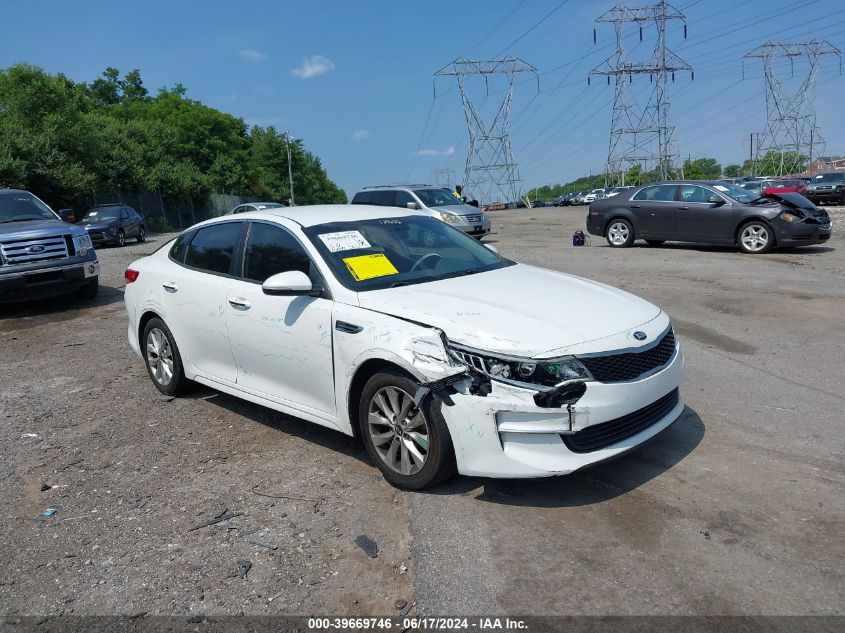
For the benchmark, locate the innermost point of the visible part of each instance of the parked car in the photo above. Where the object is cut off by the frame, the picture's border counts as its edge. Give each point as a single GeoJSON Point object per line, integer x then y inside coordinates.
{"type": "Point", "coordinates": [614, 191]}
{"type": "Point", "coordinates": [114, 224]}
{"type": "Point", "coordinates": [595, 194]}
{"type": "Point", "coordinates": [757, 186]}
{"type": "Point", "coordinates": [786, 185]}
{"type": "Point", "coordinates": [828, 187]}
{"type": "Point", "coordinates": [348, 317]}
{"type": "Point", "coordinates": [437, 202]}
{"type": "Point", "coordinates": [254, 206]}
{"type": "Point", "coordinates": [708, 212]}
{"type": "Point", "coordinates": [40, 254]}
{"type": "Point", "coordinates": [537, 203]}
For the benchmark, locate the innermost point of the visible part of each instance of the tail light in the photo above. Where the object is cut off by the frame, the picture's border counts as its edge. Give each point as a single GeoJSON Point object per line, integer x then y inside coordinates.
{"type": "Point", "coordinates": [130, 275]}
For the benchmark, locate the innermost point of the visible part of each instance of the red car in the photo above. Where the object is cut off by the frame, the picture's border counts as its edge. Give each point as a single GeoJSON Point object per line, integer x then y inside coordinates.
{"type": "Point", "coordinates": [786, 186]}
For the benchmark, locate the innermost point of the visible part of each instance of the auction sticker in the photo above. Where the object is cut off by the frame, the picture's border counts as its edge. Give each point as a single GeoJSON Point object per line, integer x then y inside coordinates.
{"type": "Point", "coordinates": [365, 267]}
{"type": "Point", "coordinates": [344, 241]}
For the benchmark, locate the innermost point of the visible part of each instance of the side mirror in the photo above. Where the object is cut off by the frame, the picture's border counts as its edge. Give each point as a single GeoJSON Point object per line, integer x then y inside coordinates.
{"type": "Point", "coordinates": [412, 205]}
{"type": "Point", "coordinates": [67, 215]}
{"type": "Point", "coordinates": [714, 199]}
{"type": "Point", "coordinates": [492, 248]}
{"type": "Point", "coordinates": [288, 284]}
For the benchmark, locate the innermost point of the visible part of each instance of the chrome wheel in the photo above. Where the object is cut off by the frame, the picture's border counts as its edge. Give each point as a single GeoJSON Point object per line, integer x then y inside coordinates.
{"type": "Point", "coordinates": [159, 357]}
{"type": "Point", "coordinates": [755, 238]}
{"type": "Point", "coordinates": [398, 430]}
{"type": "Point", "coordinates": [618, 233]}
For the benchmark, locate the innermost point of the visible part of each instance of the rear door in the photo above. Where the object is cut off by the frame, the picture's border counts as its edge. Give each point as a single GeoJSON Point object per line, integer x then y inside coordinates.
{"type": "Point", "coordinates": [195, 294]}
{"type": "Point", "coordinates": [654, 208]}
{"type": "Point", "coordinates": [699, 220]}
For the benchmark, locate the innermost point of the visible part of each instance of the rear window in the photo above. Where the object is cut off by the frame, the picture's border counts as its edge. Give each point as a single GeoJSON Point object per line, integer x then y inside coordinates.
{"type": "Point", "coordinates": [213, 247]}
{"type": "Point", "coordinates": [362, 197]}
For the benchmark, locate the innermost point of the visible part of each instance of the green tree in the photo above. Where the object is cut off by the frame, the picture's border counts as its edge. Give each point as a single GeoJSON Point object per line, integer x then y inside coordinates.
{"type": "Point", "coordinates": [732, 171]}
{"type": "Point", "coordinates": [702, 169]}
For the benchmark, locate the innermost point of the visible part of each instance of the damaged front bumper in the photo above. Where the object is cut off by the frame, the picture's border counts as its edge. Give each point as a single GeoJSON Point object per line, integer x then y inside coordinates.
{"type": "Point", "coordinates": [506, 434]}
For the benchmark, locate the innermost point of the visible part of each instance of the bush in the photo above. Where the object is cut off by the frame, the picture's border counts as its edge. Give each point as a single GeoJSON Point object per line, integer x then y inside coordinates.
{"type": "Point", "coordinates": [159, 225]}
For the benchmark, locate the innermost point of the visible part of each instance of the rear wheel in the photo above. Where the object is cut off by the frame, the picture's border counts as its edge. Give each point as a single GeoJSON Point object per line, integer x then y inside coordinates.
{"type": "Point", "coordinates": [756, 237]}
{"type": "Point", "coordinates": [142, 236]}
{"type": "Point", "coordinates": [620, 233]}
{"type": "Point", "coordinates": [410, 445]}
{"type": "Point", "coordinates": [164, 363]}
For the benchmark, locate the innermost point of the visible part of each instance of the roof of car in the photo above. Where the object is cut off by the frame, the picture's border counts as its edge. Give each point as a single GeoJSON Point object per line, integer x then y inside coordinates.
{"type": "Point", "coordinates": [325, 213]}
{"type": "Point", "coordinates": [13, 191]}
{"type": "Point", "coordinates": [404, 186]}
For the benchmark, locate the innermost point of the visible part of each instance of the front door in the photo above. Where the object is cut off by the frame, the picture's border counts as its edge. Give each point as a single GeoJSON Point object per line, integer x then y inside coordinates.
{"type": "Point", "coordinates": [654, 208]}
{"type": "Point", "coordinates": [699, 220]}
{"type": "Point", "coordinates": [282, 345]}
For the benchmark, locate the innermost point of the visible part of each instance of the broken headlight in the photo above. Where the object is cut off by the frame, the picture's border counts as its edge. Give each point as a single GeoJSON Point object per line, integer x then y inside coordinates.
{"type": "Point", "coordinates": [523, 371]}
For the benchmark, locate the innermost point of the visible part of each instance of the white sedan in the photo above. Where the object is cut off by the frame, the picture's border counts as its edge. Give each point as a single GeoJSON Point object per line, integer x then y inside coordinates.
{"type": "Point", "coordinates": [441, 354]}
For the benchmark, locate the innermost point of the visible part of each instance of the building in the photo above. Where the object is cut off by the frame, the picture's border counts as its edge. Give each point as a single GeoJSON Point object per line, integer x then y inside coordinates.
{"type": "Point", "coordinates": [824, 164]}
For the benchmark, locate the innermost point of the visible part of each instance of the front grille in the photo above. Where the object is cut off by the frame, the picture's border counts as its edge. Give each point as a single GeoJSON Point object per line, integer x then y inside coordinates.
{"type": "Point", "coordinates": [474, 219]}
{"type": "Point", "coordinates": [606, 434]}
{"type": "Point", "coordinates": [34, 250]}
{"type": "Point", "coordinates": [632, 365]}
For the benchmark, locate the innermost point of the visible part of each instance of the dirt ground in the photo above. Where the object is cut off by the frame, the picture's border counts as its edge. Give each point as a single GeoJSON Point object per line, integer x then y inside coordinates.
{"type": "Point", "coordinates": [737, 509]}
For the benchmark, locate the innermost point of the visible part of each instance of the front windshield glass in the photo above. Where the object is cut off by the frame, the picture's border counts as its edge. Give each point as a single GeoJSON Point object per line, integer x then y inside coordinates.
{"type": "Point", "coordinates": [437, 197]}
{"type": "Point", "coordinates": [103, 214]}
{"type": "Point", "coordinates": [830, 178]}
{"type": "Point", "coordinates": [737, 193]}
{"type": "Point", "coordinates": [22, 206]}
{"type": "Point", "coordinates": [389, 252]}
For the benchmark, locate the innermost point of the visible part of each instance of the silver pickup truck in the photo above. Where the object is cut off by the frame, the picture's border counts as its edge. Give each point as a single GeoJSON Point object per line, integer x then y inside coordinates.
{"type": "Point", "coordinates": [40, 254]}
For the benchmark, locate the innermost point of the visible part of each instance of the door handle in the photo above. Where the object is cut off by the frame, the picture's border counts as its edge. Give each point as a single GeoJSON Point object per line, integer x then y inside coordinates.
{"type": "Point", "coordinates": [170, 286]}
{"type": "Point", "coordinates": [683, 207]}
{"type": "Point", "coordinates": [635, 206]}
{"type": "Point", "coordinates": [239, 302]}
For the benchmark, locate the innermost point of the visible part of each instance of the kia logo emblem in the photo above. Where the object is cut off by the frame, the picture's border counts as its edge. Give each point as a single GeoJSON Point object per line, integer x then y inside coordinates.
{"type": "Point", "coordinates": [640, 336]}
{"type": "Point", "coordinates": [32, 250]}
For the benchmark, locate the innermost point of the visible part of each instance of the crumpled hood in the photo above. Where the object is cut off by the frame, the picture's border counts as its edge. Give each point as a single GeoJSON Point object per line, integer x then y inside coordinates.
{"type": "Point", "coordinates": [791, 199]}
{"type": "Point", "coordinates": [519, 310]}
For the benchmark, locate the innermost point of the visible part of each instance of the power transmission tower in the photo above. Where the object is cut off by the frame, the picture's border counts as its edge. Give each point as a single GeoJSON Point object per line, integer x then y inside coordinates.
{"type": "Point", "coordinates": [791, 135]}
{"type": "Point", "coordinates": [641, 136]}
{"type": "Point", "coordinates": [491, 173]}
{"type": "Point", "coordinates": [443, 177]}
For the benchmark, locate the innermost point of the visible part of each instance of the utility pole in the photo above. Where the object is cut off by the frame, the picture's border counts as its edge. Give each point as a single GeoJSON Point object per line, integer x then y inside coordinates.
{"type": "Point", "coordinates": [290, 169]}
{"type": "Point", "coordinates": [642, 135]}
{"type": "Point", "coordinates": [791, 131]}
{"type": "Point", "coordinates": [491, 173]}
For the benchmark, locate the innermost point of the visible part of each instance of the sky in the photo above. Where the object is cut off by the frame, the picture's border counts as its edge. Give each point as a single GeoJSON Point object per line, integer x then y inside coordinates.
{"type": "Point", "coordinates": [354, 79]}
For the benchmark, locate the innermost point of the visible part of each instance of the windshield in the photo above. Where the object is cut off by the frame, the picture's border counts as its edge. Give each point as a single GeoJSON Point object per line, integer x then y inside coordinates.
{"type": "Point", "coordinates": [103, 214]}
{"type": "Point", "coordinates": [737, 193]}
{"type": "Point", "coordinates": [830, 178]}
{"type": "Point", "coordinates": [387, 252]}
{"type": "Point", "coordinates": [437, 197]}
{"type": "Point", "coordinates": [21, 206]}
{"type": "Point", "coordinates": [783, 184]}
{"type": "Point", "coordinates": [269, 205]}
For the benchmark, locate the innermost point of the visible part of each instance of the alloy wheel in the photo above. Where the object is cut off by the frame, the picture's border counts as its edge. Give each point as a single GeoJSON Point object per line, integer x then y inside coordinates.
{"type": "Point", "coordinates": [618, 233]}
{"type": "Point", "coordinates": [755, 237]}
{"type": "Point", "coordinates": [160, 357]}
{"type": "Point", "coordinates": [398, 430]}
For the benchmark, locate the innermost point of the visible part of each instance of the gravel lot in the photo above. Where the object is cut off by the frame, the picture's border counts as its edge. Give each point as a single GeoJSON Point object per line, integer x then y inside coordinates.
{"type": "Point", "coordinates": [737, 509]}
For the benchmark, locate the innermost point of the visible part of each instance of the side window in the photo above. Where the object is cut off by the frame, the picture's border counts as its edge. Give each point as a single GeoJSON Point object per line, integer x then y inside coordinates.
{"type": "Point", "coordinates": [383, 198]}
{"type": "Point", "coordinates": [362, 197]}
{"type": "Point", "coordinates": [177, 251]}
{"type": "Point", "coordinates": [271, 250]}
{"type": "Point", "coordinates": [694, 193]}
{"type": "Point", "coordinates": [662, 193]}
{"type": "Point", "coordinates": [213, 247]}
{"type": "Point", "coordinates": [402, 199]}
{"type": "Point", "coordinates": [124, 214]}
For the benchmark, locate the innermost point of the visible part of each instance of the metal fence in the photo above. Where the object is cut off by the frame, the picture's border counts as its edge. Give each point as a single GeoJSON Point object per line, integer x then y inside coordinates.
{"type": "Point", "coordinates": [160, 211]}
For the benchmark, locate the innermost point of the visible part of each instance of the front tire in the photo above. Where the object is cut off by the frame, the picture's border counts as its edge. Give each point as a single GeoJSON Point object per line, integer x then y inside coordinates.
{"type": "Point", "coordinates": [121, 238]}
{"type": "Point", "coordinates": [756, 237]}
{"type": "Point", "coordinates": [161, 355]}
{"type": "Point", "coordinates": [411, 446]}
{"type": "Point", "coordinates": [619, 233]}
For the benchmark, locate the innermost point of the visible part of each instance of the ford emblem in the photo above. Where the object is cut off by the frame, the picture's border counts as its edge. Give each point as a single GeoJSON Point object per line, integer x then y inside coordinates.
{"type": "Point", "coordinates": [640, 336]}
{"type": "Point", "coordinates": [32, 250]}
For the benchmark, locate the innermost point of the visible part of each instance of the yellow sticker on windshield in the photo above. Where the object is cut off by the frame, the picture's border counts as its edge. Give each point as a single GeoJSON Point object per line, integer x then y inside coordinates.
{"type": "Point", "coordinates": [365, 267]}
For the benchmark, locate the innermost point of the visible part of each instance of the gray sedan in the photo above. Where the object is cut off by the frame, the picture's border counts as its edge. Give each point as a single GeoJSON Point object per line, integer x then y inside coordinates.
{"type": "Point", "coordinates": [708, 212]}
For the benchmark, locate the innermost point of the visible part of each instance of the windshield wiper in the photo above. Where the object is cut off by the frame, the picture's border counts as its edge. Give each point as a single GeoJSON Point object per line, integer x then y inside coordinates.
{"type": "Point", "coordinates": [471, 271]}
{"type": "Point", "coordinates": [396, 284]}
